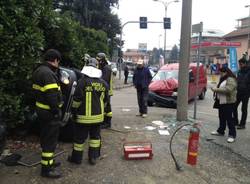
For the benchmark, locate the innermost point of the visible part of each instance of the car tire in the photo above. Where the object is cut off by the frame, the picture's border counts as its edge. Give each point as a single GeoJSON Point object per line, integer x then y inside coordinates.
{"type": "Point", "coordinates": [150, 104]}
{"type": "Point", "coordinates": [202, 95]}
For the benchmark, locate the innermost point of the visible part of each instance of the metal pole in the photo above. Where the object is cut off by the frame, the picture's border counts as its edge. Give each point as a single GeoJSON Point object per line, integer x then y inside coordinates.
{"type": "Point", "coordinates": [248, 39]}
{"type": "Point", "coordinates": [159, 40]}
{"type": "Point", "coordinates": [165, 34]}
{"type": "Point", "coordinates": [120, 56]}
{"type": "Point", "coordinates": [120, 44]}
{"type": "Point", "coordinates": [197, 75]}
{"type": "Point", "coordinates": [182, 100]}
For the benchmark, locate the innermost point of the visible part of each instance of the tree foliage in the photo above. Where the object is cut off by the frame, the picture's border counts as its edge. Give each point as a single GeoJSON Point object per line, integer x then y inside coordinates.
{"type": "Point", "coordinates": [27, 29]}
{"type": "Point", "coordinates": [95, 14]}
{"type": "Point", "coordinates": [174, 54]}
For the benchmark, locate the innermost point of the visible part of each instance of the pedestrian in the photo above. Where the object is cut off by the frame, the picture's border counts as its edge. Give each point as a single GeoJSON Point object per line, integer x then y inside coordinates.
{"type": "Point", "coordinates": [125, 74]}
{"type": "Point", "coordinates": [108, 77]}
{"type": "Point", "coordinates": [225, 92]}
{"type": "Point", "coordinates": [141, 80]}
{"type": "Point", "coordinates": [243, 93]}
{"type": "Point", "coordinates": [48, 98]}
{"type": "Point", "coordinates": [88, 110]}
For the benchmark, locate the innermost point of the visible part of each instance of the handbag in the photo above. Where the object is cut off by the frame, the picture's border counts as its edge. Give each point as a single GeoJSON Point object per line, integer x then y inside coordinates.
{"type": "Point", "coordinates": [216, 104]}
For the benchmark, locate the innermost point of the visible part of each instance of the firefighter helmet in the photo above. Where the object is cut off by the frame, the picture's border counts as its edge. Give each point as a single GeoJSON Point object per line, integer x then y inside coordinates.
{"type": "Point", "coordinates": [92, 62]}
{"type": "Point", "coordinates": [101, 56]}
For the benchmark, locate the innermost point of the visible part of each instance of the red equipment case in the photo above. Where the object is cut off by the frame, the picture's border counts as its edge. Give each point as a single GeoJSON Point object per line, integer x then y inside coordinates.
{"type": "Point", "coordinates": [137, 150]}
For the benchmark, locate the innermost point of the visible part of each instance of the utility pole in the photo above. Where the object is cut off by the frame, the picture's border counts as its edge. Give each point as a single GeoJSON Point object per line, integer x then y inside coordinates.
{"type": "Point", "coordinates": [166, 4]}
{"type": "Point", "coordinates": [197, 28]}
{"type": "Point", "coordinates": [248, 26]}
{"type": "Point", "coordinates": [182, 100]}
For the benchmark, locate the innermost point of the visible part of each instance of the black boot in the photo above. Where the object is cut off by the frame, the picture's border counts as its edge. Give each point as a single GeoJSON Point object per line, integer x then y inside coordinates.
{"type": "Point", "coordinates": [73, 160]}
{"type": "Point", "coordinates": [92, 161]}
{"type": "Point", "coordinates": [50, 172]}
{"type": "Point", "coordinates": [76, 157]}
{"type": "Point", "coordinates": [56, 164]}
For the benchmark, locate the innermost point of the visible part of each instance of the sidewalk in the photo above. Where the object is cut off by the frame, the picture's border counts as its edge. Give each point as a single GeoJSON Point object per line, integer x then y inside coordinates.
{"type": "Point", "coordinates": [119, 83]}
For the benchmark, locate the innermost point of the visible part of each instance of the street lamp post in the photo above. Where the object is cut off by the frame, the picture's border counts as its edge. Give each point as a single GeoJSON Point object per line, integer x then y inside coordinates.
{"type": "Point", "coordinates": [248, 26]}
{"type": "Point", "coordinates": [159, 39]}
{"type": "Point", "coordinates": [165, 3]}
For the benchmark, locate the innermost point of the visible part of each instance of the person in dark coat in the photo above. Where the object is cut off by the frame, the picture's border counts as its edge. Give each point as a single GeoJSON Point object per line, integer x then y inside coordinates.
{"type": "Point", "coordinates": [243, 88]}
{"type": "Point", "coordinates": [48, 104]}
{"type": "Point", "coordinates": [125, 74]}
{"type": "Point", "coordinates": [141, 80]}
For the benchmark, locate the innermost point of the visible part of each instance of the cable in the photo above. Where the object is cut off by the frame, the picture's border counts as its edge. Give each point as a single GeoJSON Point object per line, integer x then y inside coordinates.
{"type": "Point", "coordinates": [177, 165]}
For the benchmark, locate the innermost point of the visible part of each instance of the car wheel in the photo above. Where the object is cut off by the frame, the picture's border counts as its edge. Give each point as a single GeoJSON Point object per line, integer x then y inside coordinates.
{"type": "Point", "coordinates": [150, 104]}
{"type": "Point", "coordinates": [202, 95]}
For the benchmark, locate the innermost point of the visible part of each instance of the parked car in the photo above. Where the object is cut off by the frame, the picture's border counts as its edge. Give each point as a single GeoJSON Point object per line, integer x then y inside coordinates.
{"type": "Point", "coordinates": [163, 90]}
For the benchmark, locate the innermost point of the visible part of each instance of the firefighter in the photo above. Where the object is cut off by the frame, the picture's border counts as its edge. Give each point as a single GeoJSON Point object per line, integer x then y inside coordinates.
{"type": "Point", "coordinates": [85, 59]}
{"type": "Point", "coordinates": [108, 77]}
{"type": "Point", "coordinates": [48, 104]}
{"type": "Point", "coordinates": [90, 97]}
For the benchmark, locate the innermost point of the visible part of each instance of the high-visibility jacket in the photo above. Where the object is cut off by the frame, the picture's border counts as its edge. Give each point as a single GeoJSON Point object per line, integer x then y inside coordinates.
{"type": "Point", "coordinates": [47, 88]}
{"type": "Point", "coordinates": [89, 100]}
{"type": "Point", "coordinates": [108, 77]}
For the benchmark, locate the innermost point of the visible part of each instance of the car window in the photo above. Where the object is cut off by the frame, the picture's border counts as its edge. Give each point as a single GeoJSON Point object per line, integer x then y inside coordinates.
{"type": "Point", "coordinates": [172, 74]}
{"type": "Point", "coordinates": [159, 76]}
{"type": "Point", "coordinates": [163, 75]}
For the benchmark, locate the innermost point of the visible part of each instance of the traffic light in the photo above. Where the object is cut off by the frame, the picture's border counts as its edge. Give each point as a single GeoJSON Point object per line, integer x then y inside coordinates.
{"type": "Point", "coordinates": [167, 23]}
{"type": "Point", "coordinates": [143, 23]}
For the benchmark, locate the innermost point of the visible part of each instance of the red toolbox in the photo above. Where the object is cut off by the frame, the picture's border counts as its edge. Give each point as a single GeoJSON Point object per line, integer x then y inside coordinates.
{"type": "Point", "coordinates": [137, 150]}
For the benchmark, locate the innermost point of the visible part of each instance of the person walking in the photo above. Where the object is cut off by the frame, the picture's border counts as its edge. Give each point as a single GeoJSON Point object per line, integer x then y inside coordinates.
{"type": "Point", "coordinates": [225, 92]}
{"type": "Point", "coordinates": [125, 74]}
{"type": "Point", "coordinates": [243, 88]}
{"type": "Point", "coordinates": [48, 103]}
{"type": "Point", "coordinates": [108, 77]}
{"type": "Point", "coordinates": [88, 110]}
{"type": "Point", "coordinates": [141, 80]}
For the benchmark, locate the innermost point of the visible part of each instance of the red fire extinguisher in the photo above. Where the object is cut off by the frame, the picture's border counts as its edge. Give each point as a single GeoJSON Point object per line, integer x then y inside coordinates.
{"type": "Point", "coordinates": [193, 145]}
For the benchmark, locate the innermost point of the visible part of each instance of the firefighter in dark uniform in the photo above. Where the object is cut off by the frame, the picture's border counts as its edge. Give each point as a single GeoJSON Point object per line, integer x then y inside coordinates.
{"type": "Point", "coordinates": [48, 108]}
{"type": "Point", "coordinates": [108, 77]}
{"type": "Point", "coordinates": [90, 98]}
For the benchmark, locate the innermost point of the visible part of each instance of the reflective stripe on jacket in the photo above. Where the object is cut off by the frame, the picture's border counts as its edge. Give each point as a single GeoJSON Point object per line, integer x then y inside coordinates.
{"type": "Point", "coordinates": [108, 77]}
{"type": "Point", "coordinates": [89, 99]}
{"type": "Point", "coordinates": [47, 88]}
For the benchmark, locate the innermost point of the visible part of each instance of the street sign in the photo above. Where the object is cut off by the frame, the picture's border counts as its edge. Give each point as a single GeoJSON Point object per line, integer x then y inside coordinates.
{"type": "Point", "coordinates": [143, 23]}
{"type": "Point", "coordinates": [167, 23]}
{"type": "Point", "coordinates": [197, 28]}
{"type": "Point", "coordinates": [233, 59]}
{"type": "Point", "coordinates": [142, 47]}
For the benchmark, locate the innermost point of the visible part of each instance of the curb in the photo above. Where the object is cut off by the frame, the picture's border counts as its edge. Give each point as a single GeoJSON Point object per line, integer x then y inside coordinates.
{"type": "Point", "coordinates": [122, 86]}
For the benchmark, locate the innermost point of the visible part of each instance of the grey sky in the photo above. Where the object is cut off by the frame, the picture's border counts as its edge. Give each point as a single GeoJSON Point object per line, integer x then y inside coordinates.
{"type": "Point", "coordinates": [215, 14]}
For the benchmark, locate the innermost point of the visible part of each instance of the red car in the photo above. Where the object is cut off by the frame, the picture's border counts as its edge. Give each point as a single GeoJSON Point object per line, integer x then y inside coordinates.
{"type": "Point", "coordinates": [164, 85]}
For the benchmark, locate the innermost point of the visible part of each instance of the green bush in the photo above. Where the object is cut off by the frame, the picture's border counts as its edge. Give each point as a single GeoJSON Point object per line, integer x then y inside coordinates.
{"type": "Point", "coordinates": [27, 29]}
{"type": "Point", "coordinates": [21, 43]}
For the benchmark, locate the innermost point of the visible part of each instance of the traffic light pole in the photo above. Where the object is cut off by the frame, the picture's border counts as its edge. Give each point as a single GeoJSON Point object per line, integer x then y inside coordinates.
{"type": "Point", "coordinates": [120, 53]}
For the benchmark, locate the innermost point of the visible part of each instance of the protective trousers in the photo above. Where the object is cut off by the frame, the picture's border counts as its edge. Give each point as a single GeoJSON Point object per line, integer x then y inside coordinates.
{"type": "Point", "coordinates": [48, 138]}
{"type": "Point", "coordinates": [81, 133]}
{"type": "Point", "coordinates": [142, 98]}
{"type": "Point", "coordinates": [107, 115]}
